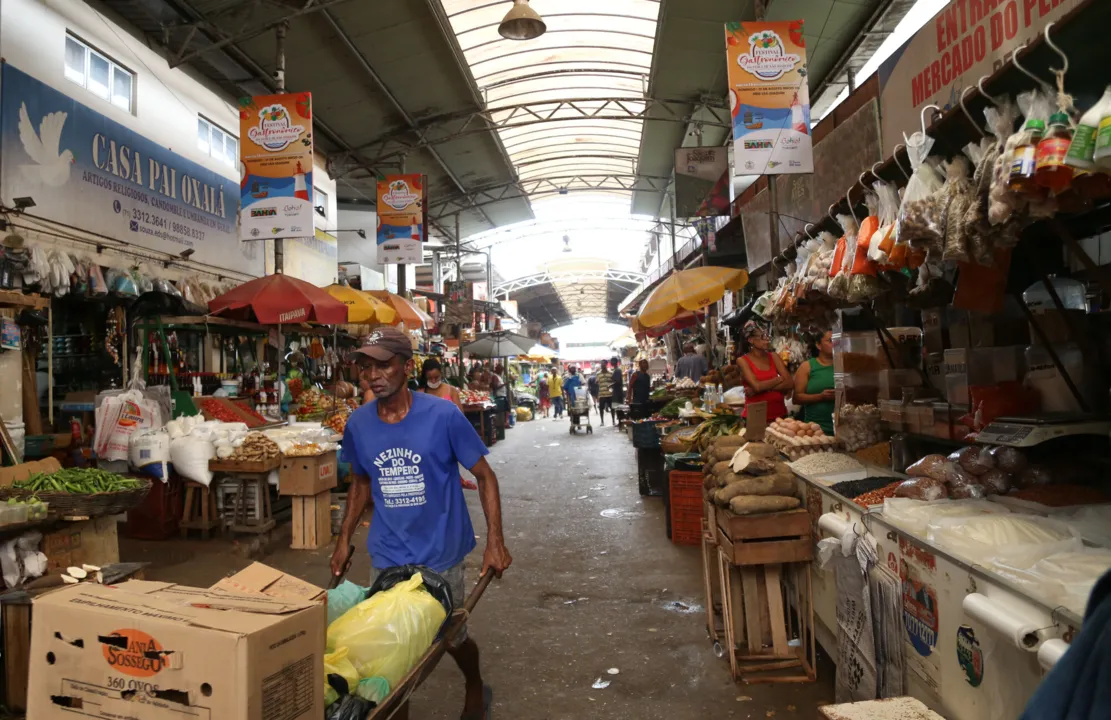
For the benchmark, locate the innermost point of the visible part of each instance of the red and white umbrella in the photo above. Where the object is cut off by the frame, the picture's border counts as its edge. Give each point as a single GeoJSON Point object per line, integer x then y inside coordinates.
{"type": "Point", "coordinates": [279, 300]}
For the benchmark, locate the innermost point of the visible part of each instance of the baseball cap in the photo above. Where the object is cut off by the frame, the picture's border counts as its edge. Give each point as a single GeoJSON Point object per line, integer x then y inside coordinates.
{"type": "Point", "coordinates": [384, 343]}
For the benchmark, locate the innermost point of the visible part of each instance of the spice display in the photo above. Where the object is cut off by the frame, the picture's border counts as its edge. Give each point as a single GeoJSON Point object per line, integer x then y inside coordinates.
{"type": "Point", "coordinates": [77, 481]}
{"type": "Point", "coordinates": [256, 447]}
{"type": "Point", "coordinates": [1063, 495]}
{"type": "Point", "coordinates": [337, 423]}
{"type": "Point", "coordinates": [825, 464]}
{"type": "Point", "coordinates": [876, 497]}
{"type": "Point", "coordinates": [922, 488]}
{"type": "Point", "coordinates": [308, 449]}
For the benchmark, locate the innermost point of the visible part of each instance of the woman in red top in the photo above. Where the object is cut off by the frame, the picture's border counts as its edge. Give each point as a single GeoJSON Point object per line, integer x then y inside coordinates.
{"type": "Point", "coordinates": [766, 378]}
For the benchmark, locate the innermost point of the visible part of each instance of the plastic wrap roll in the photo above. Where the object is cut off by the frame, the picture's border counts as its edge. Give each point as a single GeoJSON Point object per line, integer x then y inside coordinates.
{"type": "Point", "coordinates": [1016, 626]}
{"type": "Point", "coordinates": [833, 525]}
{"type": "Point", "coordinates": [1050, 652]}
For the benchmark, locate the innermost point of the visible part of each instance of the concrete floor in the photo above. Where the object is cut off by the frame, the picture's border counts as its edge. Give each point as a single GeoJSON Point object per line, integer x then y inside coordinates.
{"type": "Point", "coordinates": [587, 592]}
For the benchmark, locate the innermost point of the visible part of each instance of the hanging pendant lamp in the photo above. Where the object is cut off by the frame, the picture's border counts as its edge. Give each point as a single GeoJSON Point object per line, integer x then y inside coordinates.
{"type": "Point", "coordinates": [521, 23]}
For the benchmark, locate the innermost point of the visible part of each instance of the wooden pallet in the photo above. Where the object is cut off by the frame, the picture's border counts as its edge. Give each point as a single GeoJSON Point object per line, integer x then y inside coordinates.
{"type": "Point", "coordinates": [782, 537]}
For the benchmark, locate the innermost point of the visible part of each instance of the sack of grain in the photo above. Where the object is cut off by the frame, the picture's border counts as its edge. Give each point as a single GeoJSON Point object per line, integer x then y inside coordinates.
{"type": "Point", "coordinates": [755, 504]}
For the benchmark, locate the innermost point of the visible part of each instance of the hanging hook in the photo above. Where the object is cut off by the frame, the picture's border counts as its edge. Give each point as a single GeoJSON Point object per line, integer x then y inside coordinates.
{"type": "Point", "coordinates": [873, 170]}
{"type": "Point", "coordinates": [806, 230]}
{"type": "Point", "coordinates": [922, 115]}
{"type": "Point", "coordinates": [1014, 60]}
{"type": "Point", "coordinates": [895, 157]}
{"type": "Point", "coordinates": [980, 87]}
{"type": "Point", "coordinates": [830, 212]}
{"type": "Point", "coordinates": [849, 202]}
{"type": "Point", "coordinates": [1059, 51]}
{"type": "Point", "coordinates": [968, 114]}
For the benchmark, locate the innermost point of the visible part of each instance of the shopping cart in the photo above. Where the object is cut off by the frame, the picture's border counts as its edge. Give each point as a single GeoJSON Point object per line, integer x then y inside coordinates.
{"type": "Point", "coordinates": [580, 408]}
{"type": "Point", "coordinates": [395, 706]}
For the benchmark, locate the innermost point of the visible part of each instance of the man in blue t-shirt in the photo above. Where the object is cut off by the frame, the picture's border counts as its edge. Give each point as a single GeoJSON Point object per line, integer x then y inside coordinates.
{"type": "Point", "coordinates": [405, 449]}
{"type": "Point", "coordinates": [572, 384]}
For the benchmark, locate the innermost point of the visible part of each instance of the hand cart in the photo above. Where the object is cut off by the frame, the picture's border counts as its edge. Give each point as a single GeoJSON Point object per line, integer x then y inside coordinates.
{"type": "Point", "coordinates": [396, 705]}
{"type": "Point", "coordinates": [580, 408]}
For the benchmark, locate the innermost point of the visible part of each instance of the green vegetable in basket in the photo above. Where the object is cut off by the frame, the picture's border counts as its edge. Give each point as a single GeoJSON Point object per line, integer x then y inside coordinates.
{"type": "Point", "coordinates": [77, 481]}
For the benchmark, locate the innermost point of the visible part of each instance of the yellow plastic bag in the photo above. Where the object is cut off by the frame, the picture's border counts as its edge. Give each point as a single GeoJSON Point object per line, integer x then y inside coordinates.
{"type": "Point", "coordinates": [336, 663]}
{"type": "Point", "coordinates": [386, 634]}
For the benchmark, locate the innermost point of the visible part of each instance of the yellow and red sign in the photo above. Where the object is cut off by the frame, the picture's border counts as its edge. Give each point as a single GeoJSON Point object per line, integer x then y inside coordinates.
{"type": "Point", "coordinates": [275, 165]}
{"type": "Point", "coordinates": [402, 204]}
{"type": "Point", "coordinates": [769, 98]}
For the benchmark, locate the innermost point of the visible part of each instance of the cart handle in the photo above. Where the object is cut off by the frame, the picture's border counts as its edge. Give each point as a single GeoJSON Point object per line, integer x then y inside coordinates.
{"type": "Point", "coordinates": [476, 593]}
{"type": "Point", "coordinates": [346, 566]}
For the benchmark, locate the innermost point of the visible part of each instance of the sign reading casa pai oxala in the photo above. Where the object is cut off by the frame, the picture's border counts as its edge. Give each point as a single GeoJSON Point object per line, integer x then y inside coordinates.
{"type": "Point", "coordinates": [769, 98]}
{"type": "Point", "coordinates": [93, 174]}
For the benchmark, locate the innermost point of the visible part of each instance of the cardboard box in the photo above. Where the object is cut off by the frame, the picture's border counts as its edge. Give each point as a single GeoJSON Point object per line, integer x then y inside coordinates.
{"type": "Point", "coordinates": [308, 475]}
{"type": "Point", "coordinates": [92, 542]}
{"type": "Point", "coordinates": [263, 579]}
{"type": "Point", "coordinates": [158, 651]}
{"type": "Point", "coordinates": [10, 474]}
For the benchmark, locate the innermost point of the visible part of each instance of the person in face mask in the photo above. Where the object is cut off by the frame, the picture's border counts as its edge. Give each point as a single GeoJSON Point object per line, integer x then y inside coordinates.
{"type": "Point", "coordinates": [432, 382]}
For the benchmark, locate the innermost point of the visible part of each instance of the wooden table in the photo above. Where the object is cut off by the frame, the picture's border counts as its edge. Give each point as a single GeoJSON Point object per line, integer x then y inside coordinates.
{"type": "Point", "coordinates": [248, 475]}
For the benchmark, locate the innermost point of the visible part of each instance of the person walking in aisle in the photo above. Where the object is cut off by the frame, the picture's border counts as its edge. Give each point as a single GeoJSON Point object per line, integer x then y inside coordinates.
{"type": "Point", "coordinates": [605, 393]}
{"type": "Point", "coordinates": [573, 384]}
{"type": "Point", "coordinates": [592, 388]}
{"type": "Point", "coordinates": [618, 382]}
{"type": "Point", "coordinates": [692, 365]}
{"type": "Point", "coordinates": [640, 392]}
{"type": "Point", "coordinates": [555, 389]}
{"type": "Point", "coordinates": [814, 385]}
{"type": "Point", "coordinates": [766, 378]}
{"type": "Point", "coordinates": [396, 440]}
{"type": "Point", "coordinates": [543, 393]}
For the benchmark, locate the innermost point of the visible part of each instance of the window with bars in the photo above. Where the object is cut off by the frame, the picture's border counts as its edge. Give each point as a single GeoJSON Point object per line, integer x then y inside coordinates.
{"type": "Point", "coordinates": [216, 142]}
{"type": "Point", "coordinates": [99, 74]}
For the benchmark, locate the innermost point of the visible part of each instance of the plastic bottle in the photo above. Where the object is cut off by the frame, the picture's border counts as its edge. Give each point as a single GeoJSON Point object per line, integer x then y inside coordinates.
{"type": "Point", "coordinates": [1024, 158]}
{"type": "Point", "coordinates": [1102, 152]}
{"type": "Point", "coordinates": [1050, 168]}
{"type": "Point", "coordinates": [1082, 149]}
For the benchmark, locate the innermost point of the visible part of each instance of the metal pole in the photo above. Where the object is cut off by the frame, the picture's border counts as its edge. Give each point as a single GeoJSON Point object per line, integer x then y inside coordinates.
{"type": "Point", "coordinates": [671, 206]}
{"type": "Point", "coordinates": [458, 252]}
{"type": "Point", "coordinates": [279, 80]}
{"type": "Point", "coordinates": [773, 196]}
{"type": "Point", "coordinates": [402, 280]}
{"type": "Point", "coordinates": [489, 287]}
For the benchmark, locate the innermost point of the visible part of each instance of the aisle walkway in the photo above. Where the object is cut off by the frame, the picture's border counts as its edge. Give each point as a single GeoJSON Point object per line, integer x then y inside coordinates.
{"type": "Point", "coordinates": [587, 592]}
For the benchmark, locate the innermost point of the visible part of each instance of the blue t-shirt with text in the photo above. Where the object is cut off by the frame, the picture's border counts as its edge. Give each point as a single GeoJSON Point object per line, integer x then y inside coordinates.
{"type": "Point", "coordinates": [420, 516]}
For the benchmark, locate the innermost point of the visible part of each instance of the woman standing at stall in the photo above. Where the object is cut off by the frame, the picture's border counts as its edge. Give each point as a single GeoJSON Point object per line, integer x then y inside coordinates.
{"type": "Point", "coordinates": [814, 385]}
{"type": "Point", "coordinates": [432, 383]}
{"type": "Point", "coordinates": [766, 378]}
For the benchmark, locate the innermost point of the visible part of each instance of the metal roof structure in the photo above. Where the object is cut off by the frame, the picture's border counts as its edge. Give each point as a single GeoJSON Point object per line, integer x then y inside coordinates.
{"type": "Point", "coordinates": [591, 110]}
{"type": "Point", "coordinates": [555, 298]}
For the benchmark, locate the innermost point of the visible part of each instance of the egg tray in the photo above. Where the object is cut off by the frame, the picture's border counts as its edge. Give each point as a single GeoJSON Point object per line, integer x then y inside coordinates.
{"type": "Point", "coordinates": [794, 452]}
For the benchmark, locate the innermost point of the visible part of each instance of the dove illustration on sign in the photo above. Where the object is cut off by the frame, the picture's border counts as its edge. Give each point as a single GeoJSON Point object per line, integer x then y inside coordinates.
{"type": "Point", "coordinates": [50, 167]}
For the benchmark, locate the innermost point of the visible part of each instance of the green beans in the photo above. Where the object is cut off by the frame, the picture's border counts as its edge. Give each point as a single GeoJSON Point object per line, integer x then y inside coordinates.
{"type": "Point", "coordinates": [77, 481]}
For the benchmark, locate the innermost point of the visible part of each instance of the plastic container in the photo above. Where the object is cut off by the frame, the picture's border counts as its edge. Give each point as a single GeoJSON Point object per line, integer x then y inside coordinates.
{"type": "Point", "coordinates": [860, 388]}
{"type": "Point", "coordinates": [1044, 377]}
{"type": "Point", "coordinates": [1071, 292]}
{"type": "Point", "coordinates": [956, 388]}
{"type": "Point", "coordinates": [892, 382]}
{"type": "Point", "coordinates": [855, 352]}
{"type": "Point", "coordinates": [1024, 160]}
{"type": "Point", "coordinates": [1051, 170]}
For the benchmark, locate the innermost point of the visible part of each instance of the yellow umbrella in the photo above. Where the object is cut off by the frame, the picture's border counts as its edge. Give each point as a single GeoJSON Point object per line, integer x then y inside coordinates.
{"type": "Point", "coordinates": [689, 291]}
{"type": "Point", "coordinates": [361, 308]}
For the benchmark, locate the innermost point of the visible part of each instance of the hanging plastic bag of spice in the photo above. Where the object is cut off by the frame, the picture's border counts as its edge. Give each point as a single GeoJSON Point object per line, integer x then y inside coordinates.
{"type": "Point", "coordinates": [883, 240]}
{"type": "Point", "coordinates": [956, 196]}
{"type": "Point", "coordinates": [839, 283]}
{"type": "Point", "coordinates": [863, 282]}
{"type": "Point", "coordinates": [918, 221]}
{"type": "Point", "coordinates": [820, 271]}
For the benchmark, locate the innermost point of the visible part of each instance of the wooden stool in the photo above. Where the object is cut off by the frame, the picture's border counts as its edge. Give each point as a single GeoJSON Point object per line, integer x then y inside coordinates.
{"type": "Point", "coordinates": [241, 521]}
{"type": "Point", "coordinates": [199, 512]}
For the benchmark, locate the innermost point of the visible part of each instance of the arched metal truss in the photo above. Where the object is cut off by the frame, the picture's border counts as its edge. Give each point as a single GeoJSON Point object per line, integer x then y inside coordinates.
{"type": "Point", "coordinates": [539, 187]}
{"type": "Point", "coordinates": [393, 146]}
{"type": "Point", "coordinates": [570, 276]}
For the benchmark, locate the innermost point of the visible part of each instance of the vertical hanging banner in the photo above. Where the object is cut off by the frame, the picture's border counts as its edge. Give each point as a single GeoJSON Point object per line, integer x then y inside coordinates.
{"type": "Point", "coordinates": [769, 98]}
{"type": "Point", "coordinates": [275, 155]}
{"type": "Point", "coordinates": [402, 226]}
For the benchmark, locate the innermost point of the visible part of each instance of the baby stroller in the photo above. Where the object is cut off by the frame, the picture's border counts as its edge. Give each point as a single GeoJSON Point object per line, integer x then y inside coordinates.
{"type": "Point", "coordinates": [580, 408]}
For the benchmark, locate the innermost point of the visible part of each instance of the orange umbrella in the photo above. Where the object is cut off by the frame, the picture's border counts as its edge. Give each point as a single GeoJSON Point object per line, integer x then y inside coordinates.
{"type": "Point", "coordinates": [689, 291]}
{"type": "Point", "coordinates": [408, 314]}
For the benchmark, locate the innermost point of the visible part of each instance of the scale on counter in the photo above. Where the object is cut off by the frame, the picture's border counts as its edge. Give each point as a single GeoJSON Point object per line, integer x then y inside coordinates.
{"type": "Point", "coordinates": [1029, 431]}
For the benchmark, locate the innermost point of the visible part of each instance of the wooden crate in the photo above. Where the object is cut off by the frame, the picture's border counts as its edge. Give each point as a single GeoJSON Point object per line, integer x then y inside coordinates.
{"type": "Point", "coordinates": [243, 466]}
{"type": "Point", "coordinates": [16, 653]}
{"type": "Point", "coordinates": [312, 521]}
{"type": "Point", "coordinates": [782, 537]}
{"type": "Point", "coordinates": [768, 614]}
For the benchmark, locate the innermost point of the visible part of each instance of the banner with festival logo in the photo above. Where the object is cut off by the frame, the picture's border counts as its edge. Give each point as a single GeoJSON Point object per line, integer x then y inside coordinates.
{"type": "Point", "coordinates": [275, 155]}
{"type": "Point", "coordinates": [769, 98]}
{"type": "Point", "coordinates": [402, 221]}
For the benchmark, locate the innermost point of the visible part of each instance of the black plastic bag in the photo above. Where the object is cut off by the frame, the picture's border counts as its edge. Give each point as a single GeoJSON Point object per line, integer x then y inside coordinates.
{"type": "Point", "coordinates": [434, 583]}
{"type": "Point", "coordinates": [349, 707]}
